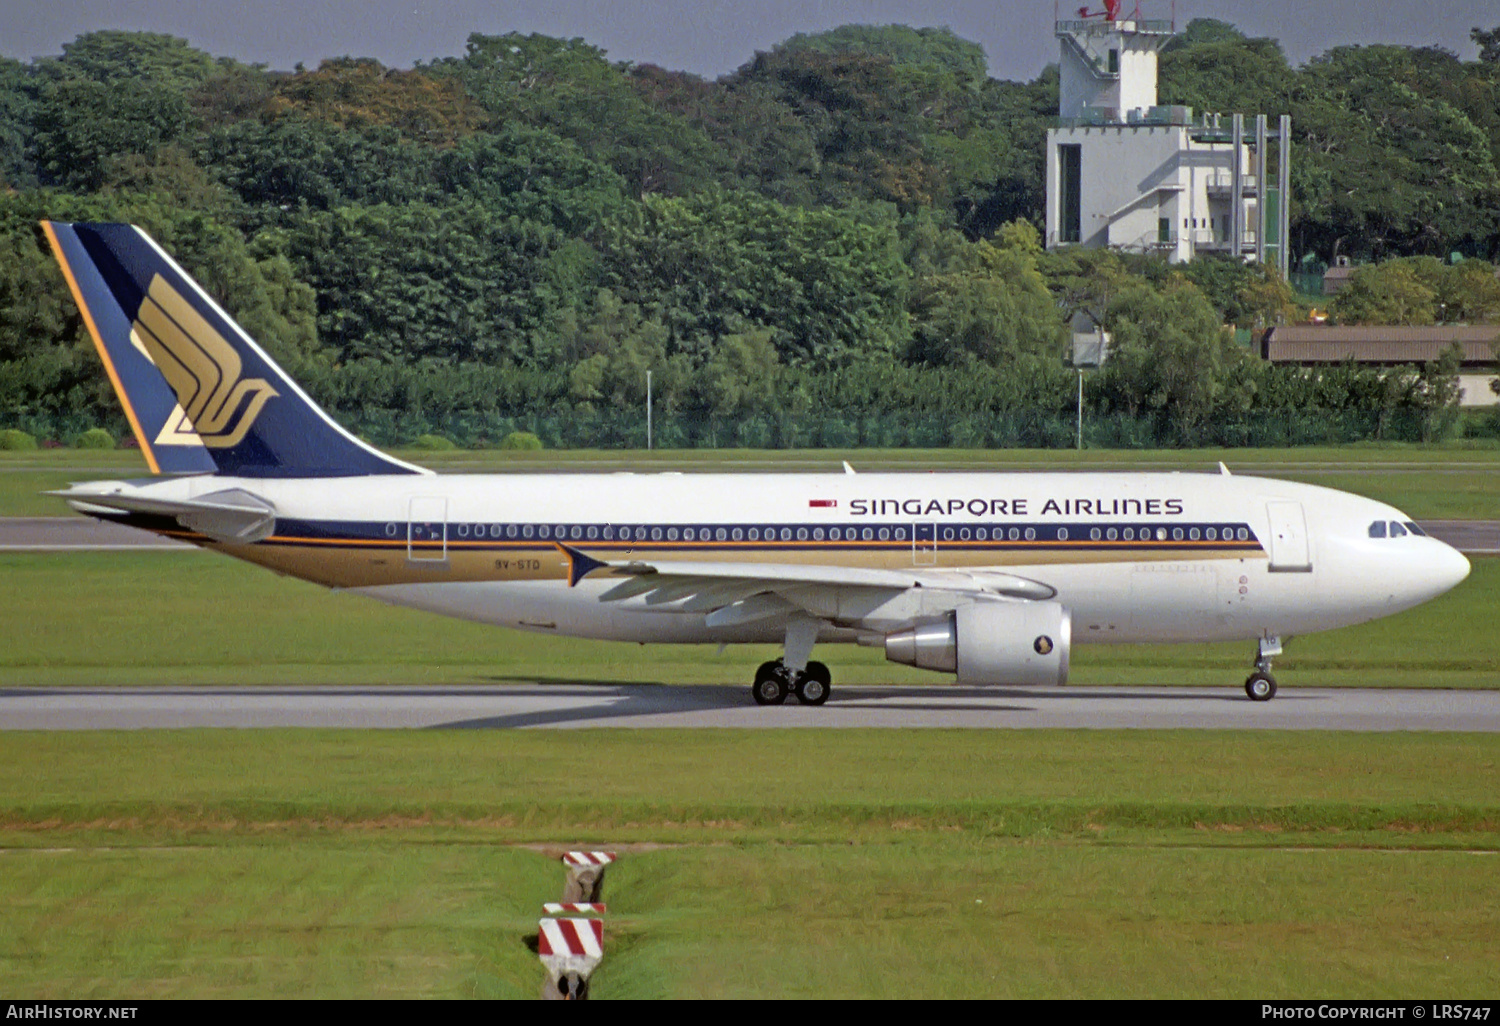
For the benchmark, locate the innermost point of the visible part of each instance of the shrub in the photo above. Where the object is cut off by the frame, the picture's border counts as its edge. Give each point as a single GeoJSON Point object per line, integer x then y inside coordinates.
{"type": "Point", "coordinates": [94, 438]}
{"type": "Point", "coordinates": [13, 440]}
{"type": "Point", "coordinates": [433, 443]}
{"type": "Point", "coordinates": [520, 440]}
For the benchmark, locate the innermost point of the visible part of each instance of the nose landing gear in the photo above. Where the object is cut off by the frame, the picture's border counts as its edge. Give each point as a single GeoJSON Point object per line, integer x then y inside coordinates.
{"type": "Point", "coordinates": [1260, 685]}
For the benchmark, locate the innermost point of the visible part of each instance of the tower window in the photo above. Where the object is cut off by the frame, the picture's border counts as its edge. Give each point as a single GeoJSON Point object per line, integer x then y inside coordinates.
{"type": "Point", "coordinates": [1070, 192]}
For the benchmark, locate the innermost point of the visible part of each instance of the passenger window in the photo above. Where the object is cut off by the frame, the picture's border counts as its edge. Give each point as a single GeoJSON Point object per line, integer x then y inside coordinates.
{"type": "Point", "coordinates": [1397, 531]}
{"type": "Point", "coordinates": [1414, 529]}
{"type": "Point", "coordinates": [1377, 529]}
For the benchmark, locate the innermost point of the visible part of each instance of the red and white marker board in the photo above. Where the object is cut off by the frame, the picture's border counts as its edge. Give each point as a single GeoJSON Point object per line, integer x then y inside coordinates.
{"type": "Point", "coordinates": [586, 859]}
{"type": "Point", "coordinates": [583, 937]}
{"type": "Point", "coordinates": [570, 945]}
{"type": "Point", "coordinates": [559, 908]}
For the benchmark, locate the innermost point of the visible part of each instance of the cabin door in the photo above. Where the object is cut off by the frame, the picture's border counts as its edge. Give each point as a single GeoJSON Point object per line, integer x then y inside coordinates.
{"type": "Point", "coordinates": [924, 544]}
{"type": "Point", "coordinates": [1288, 540]}
{"type": "Point", "coordinates": [427, 529]}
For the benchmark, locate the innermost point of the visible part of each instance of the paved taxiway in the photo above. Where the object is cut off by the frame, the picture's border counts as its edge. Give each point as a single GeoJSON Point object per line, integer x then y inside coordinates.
{"type": "Point", "coordinates": [81, 534]}
{"type": "Point", "coordinates": [613, 705]}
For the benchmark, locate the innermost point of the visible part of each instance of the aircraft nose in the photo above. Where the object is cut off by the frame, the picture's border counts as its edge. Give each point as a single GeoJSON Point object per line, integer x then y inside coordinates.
{"type": "Point", "coordinates": [1456, 564]}
{"type": "Point", "coordinates": [1445, 570]}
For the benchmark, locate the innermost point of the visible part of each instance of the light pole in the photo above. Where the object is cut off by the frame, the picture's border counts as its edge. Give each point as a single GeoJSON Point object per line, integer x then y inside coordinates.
{"type": "Point", "coordinates": [1080, 409]}
{"type": "Point", "coordinates": [648, 411]}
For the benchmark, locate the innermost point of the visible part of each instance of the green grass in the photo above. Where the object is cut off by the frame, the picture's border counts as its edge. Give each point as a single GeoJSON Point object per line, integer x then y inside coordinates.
{"type": "Point", "coordinates": [196, 618]}
{"type": "Point", "coordinates": [755, 864]}
{"type": "Point", "coordinates": [1455, 480]}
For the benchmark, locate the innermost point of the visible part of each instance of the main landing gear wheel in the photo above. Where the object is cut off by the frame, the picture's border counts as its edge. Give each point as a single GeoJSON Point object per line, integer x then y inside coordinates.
{"type": "Point", "coordinates": [1261, 687]}
{"type": "Point", "coordinates": [814, 684]}
{"type": "Point", "coordinates": [770, 684]}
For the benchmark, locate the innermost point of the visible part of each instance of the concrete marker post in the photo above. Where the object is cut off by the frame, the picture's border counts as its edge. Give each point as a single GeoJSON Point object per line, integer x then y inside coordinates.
{"type": "Point", "coordinates": [570, 949]}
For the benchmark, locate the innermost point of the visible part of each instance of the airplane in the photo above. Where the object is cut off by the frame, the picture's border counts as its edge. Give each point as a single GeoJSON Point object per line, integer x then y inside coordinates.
{"type": "Point", "coordinates": [990, 577]}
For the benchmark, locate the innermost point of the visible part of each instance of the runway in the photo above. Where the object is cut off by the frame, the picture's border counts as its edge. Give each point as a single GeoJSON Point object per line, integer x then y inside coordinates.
{"type": "Point", "coordinates": [541, 705]}
{"type": "Point", "coordinates": [84, 534]}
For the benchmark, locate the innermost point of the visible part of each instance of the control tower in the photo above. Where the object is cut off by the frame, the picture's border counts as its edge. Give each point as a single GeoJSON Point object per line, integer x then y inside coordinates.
{"type": "Point", "coordinates": [1123, 171]}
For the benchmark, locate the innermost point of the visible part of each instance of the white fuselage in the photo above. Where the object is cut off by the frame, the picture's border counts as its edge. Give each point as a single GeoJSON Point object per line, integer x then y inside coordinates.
{"type": "Point", "coordinates": [1135, 557]}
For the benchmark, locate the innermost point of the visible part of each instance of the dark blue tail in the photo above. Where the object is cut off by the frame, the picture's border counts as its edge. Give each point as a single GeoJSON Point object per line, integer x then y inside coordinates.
{"type": "Point", "coordinates": [199, 393]}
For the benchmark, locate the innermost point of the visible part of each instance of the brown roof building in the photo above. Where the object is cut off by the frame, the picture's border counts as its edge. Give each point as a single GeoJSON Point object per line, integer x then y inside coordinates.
{"type": "Point", "coordinates": [1336, 277]}
{"type": "Point", "coordinates": [1310, 345]}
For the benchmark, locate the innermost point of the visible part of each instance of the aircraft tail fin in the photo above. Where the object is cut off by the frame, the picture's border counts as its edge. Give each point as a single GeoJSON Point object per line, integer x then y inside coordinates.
{"type": "Point", "coordinates": [200, 395]}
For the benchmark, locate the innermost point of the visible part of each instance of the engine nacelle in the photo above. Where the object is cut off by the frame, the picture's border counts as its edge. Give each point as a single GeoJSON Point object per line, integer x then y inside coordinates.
{"type": "Point", "coordinates": [991, 643]}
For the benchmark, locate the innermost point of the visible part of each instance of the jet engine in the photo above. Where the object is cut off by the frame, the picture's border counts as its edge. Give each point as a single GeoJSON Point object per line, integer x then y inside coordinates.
{"type": "Point", "coordinates": [991, 643]}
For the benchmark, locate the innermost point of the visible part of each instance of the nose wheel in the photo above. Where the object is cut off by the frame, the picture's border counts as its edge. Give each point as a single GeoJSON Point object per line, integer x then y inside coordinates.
{"type": "Point", "coordinates": [1261, 687]}
{"type": "Point", "coordinates": [773, 682]}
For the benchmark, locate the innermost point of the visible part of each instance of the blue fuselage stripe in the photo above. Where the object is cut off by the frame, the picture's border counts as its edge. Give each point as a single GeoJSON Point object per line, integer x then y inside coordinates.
{"type": "Point", "coordinates": [1218, 536]}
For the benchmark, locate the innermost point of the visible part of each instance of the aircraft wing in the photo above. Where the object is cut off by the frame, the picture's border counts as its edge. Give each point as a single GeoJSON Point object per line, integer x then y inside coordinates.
{"type": "Point", "coordinates": [732, 593]}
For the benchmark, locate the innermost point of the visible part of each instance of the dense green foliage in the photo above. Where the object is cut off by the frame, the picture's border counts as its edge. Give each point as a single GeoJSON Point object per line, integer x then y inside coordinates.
{"type": "Point", "coordinates": [834, 245]}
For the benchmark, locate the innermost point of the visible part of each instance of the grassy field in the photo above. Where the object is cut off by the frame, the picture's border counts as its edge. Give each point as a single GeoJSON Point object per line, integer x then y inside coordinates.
{"type": "Point", "coordinates": [196, 618]}
{"type": "Point", "coordinates": [1453, 481]}
{"type": "Point", "coordinates": [775, 863]}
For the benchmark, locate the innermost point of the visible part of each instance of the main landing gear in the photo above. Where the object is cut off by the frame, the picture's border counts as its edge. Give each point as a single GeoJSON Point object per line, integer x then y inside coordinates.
{"type": "Point", "coordinates": [1260, 685]}
{"type": "Point", "coordinates": [774, 681]}
{"type": "Point", "coordinates": [809, 680]}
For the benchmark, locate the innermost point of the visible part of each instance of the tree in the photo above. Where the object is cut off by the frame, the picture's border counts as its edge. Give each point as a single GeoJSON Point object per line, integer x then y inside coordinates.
{"type": "Point", "coordinates": [1212, 66]}
{"type": "Point", "coordinates": [991, 305]}
{"type": "Point", "coordinates": [614, 346]}
{"type": "Point", "coordinates": [1488, 42]}
{"type": "Point", "coordinates": [741, 376]}
{"type": "Point", "coordinates": [81, 125]}
{"type": "Point", "coordinates": [569, 87]}
{"type": "Point", "coordinates": [112, 56]}
{"type": "Point", "coordinates": [532, 174]}
{"type": "Point", "coordinates": [1394, 292]}
{"type": "Point", "coordinates": [1246, 294]}
{"type": "Point", "coordinates": [830, 285]}
{"type": "Point", "coordinates": [1469, 292]}
{"type": "Point", "coordinates": [767, 147]}
{"type": "Point", "coordinates": [1385, 163]}
{"type": "Point", "coordinates": [350, 92]}
{"type": "Point", "coordinates": [1170, 356]}
{"type": "Point", "coordinates": [1084, 281]}
{"type": "Point", "coordinates": [418, 281]}
{"type": "Point", "coordinates": [868, 118]}
{"type": "Point", "coordinates": [17, 110]}
{"type": "Point", "coordinates": [292, 163]}
{"type": "Point", "coordinates": [936, 50]}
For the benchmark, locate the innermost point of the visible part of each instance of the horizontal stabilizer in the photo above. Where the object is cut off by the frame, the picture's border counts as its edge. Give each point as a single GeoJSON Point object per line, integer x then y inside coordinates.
{"type": "Point", "coordinates": [233, 516]}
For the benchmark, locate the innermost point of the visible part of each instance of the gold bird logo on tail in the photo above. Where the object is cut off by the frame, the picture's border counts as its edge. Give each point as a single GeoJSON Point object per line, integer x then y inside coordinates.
{"type": "Point", "coordinates": [215, 404]}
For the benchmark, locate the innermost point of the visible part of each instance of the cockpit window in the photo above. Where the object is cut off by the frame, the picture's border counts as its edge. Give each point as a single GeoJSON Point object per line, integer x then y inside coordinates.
{"type": "Point", "coordinates": [1414, 529]}
{"type": "Point", "coordinates": [1377, 529]}
{"type": "Point", "coordinates": [1397, 531]}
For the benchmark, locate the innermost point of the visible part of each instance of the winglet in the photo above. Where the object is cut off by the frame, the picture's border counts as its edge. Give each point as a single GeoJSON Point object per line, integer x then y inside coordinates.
{"type": "Point", "coordinates": [1223, 469]}
{"type": "Point", "coordinates": [848, 469]}
{"type": "Point", "coordinates": [580, 564]}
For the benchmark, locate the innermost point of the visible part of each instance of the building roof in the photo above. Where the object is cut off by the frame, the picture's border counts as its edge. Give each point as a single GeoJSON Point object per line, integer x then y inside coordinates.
{"type": "Point", "coordinates": [1336, 277]}
{"type": "Point", "coordinates": [1378, 344]}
